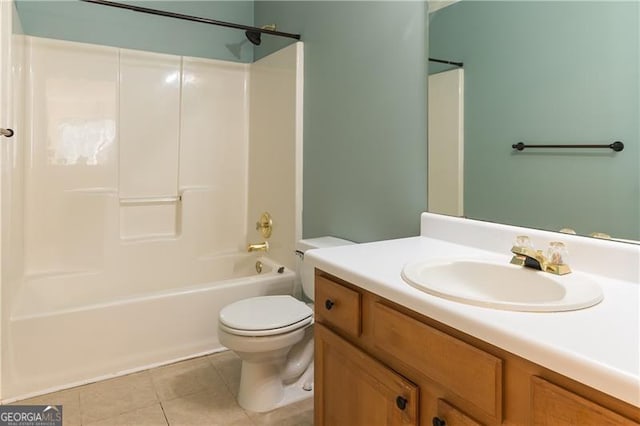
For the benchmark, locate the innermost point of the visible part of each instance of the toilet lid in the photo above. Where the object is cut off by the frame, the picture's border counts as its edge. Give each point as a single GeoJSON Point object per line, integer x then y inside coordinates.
{"type": "Point", "coordinates": [266, 314]}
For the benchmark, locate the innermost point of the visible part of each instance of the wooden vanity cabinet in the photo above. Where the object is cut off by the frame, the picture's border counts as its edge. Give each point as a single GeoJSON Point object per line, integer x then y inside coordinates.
{"type": "Point", "coordinates": [553, 405]}
{"type": "Point", "coordinates": [378, 363]}
{"type": "Point", "coordinates": [341, 306]}
{"type": "Point", "coordinates": [448, 415]}
{"type": "Point", "coordinates": [357, 389]}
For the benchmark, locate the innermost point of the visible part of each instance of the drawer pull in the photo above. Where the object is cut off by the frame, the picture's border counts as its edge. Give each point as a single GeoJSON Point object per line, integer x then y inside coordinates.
{"type": "Point", "coordinates": [328, 304]}
{"type": "Point", "coordinates": [437, 421]}
{"type": "Point", "coordinates": [401, 402]}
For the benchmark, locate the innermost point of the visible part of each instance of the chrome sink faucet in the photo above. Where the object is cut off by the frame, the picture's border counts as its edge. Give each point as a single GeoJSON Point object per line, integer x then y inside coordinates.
{"type": "Point", "coordinates": [526, 255]}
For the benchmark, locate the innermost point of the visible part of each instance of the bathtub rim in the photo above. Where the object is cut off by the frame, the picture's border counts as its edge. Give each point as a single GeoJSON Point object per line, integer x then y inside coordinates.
{"type": "Point", "coordinates": [164, 293]}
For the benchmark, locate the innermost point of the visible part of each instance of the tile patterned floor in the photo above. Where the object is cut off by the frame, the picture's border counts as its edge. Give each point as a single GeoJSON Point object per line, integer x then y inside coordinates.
{"type": "Point", "coordinates": [199, 392]}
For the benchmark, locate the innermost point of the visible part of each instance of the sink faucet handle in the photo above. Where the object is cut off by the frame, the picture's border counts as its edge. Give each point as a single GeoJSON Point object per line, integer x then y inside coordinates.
{"type": "Point", "coordinates": [557, 253]}
{"type": "Point", "coordinates": [523, 241]}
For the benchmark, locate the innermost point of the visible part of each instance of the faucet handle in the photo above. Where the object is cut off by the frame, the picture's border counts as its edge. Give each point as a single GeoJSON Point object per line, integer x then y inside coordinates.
{"type": "Point", "coordinates": [522, 248]}
{"type": "Point", "coordinates": [557, 253]}
{"type": "Point", "coordinates": [265, 225]}
{"type": "Point", "coordinates": [557, 257]}
{"type": "Point", "coordinates": [523, 241]}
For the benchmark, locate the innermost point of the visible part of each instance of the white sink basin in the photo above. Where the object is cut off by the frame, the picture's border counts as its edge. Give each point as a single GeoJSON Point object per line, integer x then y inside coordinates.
{"type": "Point", "coordinates": [502, 286]}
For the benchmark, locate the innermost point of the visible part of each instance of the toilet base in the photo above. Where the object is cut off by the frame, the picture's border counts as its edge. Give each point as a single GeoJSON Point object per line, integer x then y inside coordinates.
{"type": "Point", "coordinates": [269, 395]}
{"type": "Point", "coordinates": [295, 392]}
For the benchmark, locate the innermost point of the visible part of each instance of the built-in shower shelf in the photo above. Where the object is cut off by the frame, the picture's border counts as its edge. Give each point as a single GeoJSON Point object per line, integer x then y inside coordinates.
{"type": "Point", "coordinates": [94, 190]}
{"type": "Point", "coordinates": [149, 238]}
{"type": "Point", "coordinates": [150, 200]}
{"type": "Point", "coordinates": [53, 274]}
{"type": "Point", "coordinates": [194, 188]}
{"type": "Point", "coordinates": [150, 218]}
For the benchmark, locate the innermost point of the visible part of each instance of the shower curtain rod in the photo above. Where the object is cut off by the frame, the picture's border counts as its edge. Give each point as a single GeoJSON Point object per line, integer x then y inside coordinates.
{"type": "Point", "coordinates": [193, 18]}
{"type": "Point", "coordinates": [442, 61]}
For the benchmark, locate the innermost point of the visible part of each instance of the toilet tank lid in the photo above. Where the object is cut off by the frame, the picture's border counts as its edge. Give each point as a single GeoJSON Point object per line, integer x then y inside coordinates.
{"type": "Point", "coordinates": [321, 242]}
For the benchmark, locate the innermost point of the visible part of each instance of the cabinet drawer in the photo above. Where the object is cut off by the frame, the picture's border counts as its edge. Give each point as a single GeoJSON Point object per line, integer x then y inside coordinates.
{"type": "Point", "coordinates": [553, 405]}
{"type": "Point", "coordinates": [450, 416]}
{"type": "Point", "coordinates": [460, 368]}
{"type": "Point", "coordinates": [338, 306]}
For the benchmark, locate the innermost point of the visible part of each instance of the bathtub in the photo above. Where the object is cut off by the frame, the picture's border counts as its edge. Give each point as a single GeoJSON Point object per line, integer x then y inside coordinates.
{"type": "Point", "coordinates": [107, 330]}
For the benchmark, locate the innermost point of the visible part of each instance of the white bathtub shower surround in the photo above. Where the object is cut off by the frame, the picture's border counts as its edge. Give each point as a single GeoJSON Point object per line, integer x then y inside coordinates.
{"type": "Point", "coordinates": [69, 344]}
{"type": "Point", "coordinates": [149, 132]}
{"type": "Point", "coordinates": [150, 86]}
{"type": "Point", "coordinates": [48, 294]}
{"type": "Point", "coordinates": [134, 182]}
{"type": "Point", "coordinates": [90, 153]}
{"type": "Point", "coordinates": [275, 153]}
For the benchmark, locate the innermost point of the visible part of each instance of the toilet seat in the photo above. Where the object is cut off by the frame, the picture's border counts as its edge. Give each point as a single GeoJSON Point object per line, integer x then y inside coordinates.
{"type": "Point", "coordinates": [265, 316]}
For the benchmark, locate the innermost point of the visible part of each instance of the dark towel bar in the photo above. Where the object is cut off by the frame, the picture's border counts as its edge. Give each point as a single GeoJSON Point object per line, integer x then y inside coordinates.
{"type": "Point", "coordinates": [617, 146]}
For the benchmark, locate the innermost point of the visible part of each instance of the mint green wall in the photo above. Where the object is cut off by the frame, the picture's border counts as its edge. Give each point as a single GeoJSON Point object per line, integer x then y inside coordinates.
{"type": "Point", "coordinates": [90, 23]}
{"type": "Point", "coordinates": [364, 113]}
{"type": "Point", "coordinates": [548, 72]}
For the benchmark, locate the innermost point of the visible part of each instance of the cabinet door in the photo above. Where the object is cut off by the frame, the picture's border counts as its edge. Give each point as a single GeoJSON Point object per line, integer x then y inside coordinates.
{"type": "Point", "coordinates": [450, 416]}
{"type": "Point", "coordinates": [353, 389]}
{"type": "Point", "coordinates": [555, 406]}
{"type": "Point", "coordinates": [462, 369]}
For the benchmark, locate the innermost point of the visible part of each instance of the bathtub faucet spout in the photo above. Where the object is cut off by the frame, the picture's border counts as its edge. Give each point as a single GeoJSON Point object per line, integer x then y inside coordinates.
{"type": "Point", "coordinates": [258, 247]}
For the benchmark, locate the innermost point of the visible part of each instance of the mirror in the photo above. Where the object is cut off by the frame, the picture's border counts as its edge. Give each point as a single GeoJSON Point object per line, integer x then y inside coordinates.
{"type": "Point", "coordinates": [547, 73]}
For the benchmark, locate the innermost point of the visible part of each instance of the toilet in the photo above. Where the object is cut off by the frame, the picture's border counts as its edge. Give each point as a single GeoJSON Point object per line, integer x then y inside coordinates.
{"type": "Point", "coordinates": [273, 336]}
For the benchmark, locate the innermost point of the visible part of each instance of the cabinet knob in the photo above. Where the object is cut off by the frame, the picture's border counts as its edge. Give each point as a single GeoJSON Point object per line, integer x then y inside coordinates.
{"type": "Point", "coordinates": [328, 304]}
{"type": "Point", "coordinates": [437, 421]}
{"type": "Point", "coordinates": [401, 402]}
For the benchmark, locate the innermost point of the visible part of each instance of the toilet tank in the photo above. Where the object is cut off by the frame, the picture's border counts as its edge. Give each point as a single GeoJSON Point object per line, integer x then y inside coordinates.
{"type": "Point", "coordinates": [305, 270]}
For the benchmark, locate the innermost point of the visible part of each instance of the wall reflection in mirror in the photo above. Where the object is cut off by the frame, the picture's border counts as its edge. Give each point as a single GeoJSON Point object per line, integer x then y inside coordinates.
{"type": "Point", "coordinates": [547, 73]}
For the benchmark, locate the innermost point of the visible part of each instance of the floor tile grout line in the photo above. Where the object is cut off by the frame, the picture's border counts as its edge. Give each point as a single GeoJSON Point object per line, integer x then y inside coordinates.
{"type": "Point", "coordinates": [155, 389]}
{"type": "Point", "coordinates": [143, 374]}
{"type": "Point", "coordinates": [120, 413]}
{"type": "Point", "coordinates": [166, 419]}
{"type": "Point", "coordinates": [206, 362]}
{"type": "Point", "coordinates": [222, 376]}
{"type": "Point", "coordinates": [224, 366]}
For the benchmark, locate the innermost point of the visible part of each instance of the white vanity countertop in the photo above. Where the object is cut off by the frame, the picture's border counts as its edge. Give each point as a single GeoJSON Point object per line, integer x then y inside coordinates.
{"type": "Point", "coordinates": [597, 346]}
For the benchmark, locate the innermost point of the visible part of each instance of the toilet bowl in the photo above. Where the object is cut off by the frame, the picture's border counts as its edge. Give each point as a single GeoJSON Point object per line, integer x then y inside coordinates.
{"type": "Point", "coordinates": [273, 337]}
